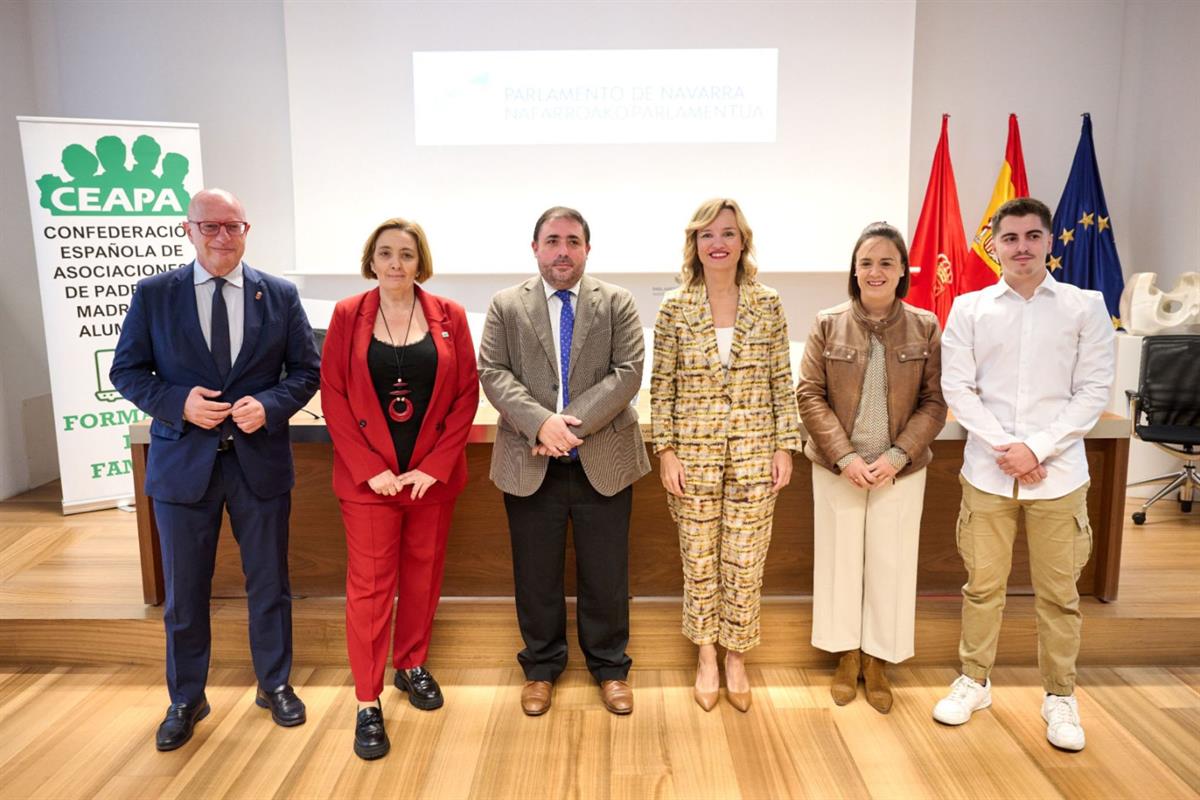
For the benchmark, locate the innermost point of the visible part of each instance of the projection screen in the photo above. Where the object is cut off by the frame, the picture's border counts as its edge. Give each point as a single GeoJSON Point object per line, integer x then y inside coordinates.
{"type": "Point", "coordinates": [472, 118]}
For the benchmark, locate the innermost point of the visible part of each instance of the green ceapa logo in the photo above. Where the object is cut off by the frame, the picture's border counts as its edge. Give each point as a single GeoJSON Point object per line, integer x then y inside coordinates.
{"type": "Point", "coordinates": [100, 183]}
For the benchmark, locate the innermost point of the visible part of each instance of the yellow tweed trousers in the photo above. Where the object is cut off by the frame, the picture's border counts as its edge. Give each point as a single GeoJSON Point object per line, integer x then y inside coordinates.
{"type": "Point", "coordinates": [724, 532]}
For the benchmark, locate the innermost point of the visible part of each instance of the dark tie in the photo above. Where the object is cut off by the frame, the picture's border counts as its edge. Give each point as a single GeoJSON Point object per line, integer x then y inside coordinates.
{"type": "Point", "coordinates": [220, 331]}
{"type": "Point", "coordinates": [566, 326]}
{"type": "Point", "coordinates": [220, 345]}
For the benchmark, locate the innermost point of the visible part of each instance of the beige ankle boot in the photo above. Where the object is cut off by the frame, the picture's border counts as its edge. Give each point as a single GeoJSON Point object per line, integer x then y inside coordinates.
{"type": "Point", "coordinates": [845, 680]}
{"type": "Point", "coordinates": [879, 691]}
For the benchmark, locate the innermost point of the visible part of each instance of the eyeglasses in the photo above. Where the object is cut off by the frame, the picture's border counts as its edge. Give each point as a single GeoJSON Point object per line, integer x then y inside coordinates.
{"type": "Point", "coordinates": [213, 228]}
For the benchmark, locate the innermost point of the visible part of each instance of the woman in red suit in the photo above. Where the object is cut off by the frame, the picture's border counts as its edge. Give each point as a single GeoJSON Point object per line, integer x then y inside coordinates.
{"type": "Point", "coordinates": [399, 390]}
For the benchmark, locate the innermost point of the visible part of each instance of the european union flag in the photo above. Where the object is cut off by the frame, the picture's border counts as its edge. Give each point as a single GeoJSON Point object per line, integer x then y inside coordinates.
{"type": "Point", "coordinates": [1085, 253]}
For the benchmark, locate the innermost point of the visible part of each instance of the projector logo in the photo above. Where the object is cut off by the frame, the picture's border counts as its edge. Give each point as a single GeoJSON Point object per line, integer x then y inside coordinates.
{"type": "Point", "coordinates": [101, 184]}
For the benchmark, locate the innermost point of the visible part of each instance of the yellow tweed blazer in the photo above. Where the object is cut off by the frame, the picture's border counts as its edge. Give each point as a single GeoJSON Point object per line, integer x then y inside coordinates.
{"type": "Point", "coordinates": [703, 410]}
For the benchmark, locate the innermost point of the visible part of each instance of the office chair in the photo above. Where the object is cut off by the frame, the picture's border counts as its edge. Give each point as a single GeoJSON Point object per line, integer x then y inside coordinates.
{"type": "Point", "coordinates": [1169, 396]}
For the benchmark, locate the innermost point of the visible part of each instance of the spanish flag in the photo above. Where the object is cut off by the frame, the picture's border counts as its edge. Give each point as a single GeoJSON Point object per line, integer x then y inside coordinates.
{"type": "Point", "coordinates": [939, 247]}
{"type": "Point", "coordinates": [981, 268]}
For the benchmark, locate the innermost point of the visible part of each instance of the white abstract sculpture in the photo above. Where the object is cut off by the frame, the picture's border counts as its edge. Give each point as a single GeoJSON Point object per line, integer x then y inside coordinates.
{"type": "Point", "coordinates": [1146, 310]}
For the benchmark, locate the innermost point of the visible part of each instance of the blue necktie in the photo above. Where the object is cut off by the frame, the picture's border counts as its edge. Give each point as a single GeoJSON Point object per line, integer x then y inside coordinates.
{"type": "Point", "coordinates": [566, 326]}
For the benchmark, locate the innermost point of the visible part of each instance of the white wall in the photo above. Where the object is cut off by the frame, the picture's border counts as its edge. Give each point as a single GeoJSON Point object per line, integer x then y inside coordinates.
{"type": "Point", "coordinates": [27, 454]}
{"type": "Point", "coordinates": [1162, 172]}
{"type": "Point", "coordinates": [1132, 64]}
{"type": "Point", "coordinates": [217, 63]}
{"type": "Point", "coordinates": [1045, 62]}
{"type": "Point", "coordinates": [1162, 189]}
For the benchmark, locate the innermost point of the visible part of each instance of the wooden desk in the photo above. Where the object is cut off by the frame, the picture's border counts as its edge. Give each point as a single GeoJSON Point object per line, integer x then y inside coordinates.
{"type": "Point", "coordinates": [479, 558]}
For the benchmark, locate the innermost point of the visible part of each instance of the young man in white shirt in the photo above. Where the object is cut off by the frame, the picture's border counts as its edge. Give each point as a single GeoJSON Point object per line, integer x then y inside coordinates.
{"type": "Point", "coordinates": [1027, 366]}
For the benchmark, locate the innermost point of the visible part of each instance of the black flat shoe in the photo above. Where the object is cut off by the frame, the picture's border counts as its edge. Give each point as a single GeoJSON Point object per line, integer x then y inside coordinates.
{"type": "Point", "coordinates": [423, 690]}
{"type": "Point", "coordinates": [176, 728]}
{"type": "Point", "coordinates": [370, 737]}
{"type": "Point", "coordinates": [286, 709]}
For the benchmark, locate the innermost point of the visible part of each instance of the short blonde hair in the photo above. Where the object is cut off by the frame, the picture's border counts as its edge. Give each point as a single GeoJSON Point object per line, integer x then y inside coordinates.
{"type": "Point", "coordinates": [424, 257]}
{"type": "Point", "coordinates": [692, 273]}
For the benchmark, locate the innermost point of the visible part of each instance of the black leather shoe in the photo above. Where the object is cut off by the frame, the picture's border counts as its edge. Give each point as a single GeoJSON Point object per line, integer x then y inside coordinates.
{"type": "Point", "coordinates": [286, 709]}
{"type": "Point", "coordinates": [176, 727]}
{"type": "Point", "coordinates": [370, 737]}
{"type": "Point", "coordinates": [423, 690]}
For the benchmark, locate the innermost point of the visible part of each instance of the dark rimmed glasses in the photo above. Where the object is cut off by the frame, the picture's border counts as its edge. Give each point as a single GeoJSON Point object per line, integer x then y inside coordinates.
{"type": "Point", "coordinates": [213, 228]}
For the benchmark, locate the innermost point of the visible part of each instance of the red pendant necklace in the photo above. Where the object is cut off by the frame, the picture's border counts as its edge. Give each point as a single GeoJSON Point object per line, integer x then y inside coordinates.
{"type": "Point", "coordinates": [401, 408]}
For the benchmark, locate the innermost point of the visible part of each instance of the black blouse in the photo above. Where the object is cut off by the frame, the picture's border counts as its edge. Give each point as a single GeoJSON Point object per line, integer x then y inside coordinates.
{"type": "Point", "coordinates": [419, 368]}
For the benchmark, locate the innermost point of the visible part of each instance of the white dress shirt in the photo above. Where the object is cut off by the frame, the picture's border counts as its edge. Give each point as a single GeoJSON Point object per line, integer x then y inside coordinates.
{"type": "Point", "coordinates": [235, 306]}
{"type": "Point", "coordinates": [1036, 371]}
{"type": "Point", "coordinates": [555, 306]}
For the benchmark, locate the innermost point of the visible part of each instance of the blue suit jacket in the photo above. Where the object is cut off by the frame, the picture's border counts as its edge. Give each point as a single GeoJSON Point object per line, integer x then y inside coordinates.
{"type": "Point", "coordinates": [161, 355]}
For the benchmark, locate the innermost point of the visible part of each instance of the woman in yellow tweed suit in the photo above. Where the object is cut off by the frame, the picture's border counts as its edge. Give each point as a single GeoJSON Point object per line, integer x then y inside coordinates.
{"type": "Point", "coordinates": [725, 427]}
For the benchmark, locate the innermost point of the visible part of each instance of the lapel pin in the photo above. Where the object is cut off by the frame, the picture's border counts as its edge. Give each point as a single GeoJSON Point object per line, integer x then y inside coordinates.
{"type": "Point", "coordinates": [445, 334]}
{"type": "Point", "coordinates": [258, 295]}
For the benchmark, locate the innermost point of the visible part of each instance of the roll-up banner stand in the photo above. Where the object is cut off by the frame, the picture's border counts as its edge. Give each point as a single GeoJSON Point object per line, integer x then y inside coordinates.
{"type": "Point", "coordinates": [108, 199]}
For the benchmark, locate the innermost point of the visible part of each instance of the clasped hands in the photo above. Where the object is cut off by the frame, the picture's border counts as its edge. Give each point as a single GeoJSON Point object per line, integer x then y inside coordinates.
{"type": "Point", "coordinates": [204, 412]}
{"type": "Point", "coordinates": [555, 437]}
{"type": "Point", "coordinates": [1016, 460]}
{"type": "Point", "coordinates": [869, 476]}
{"type": "Point", "coordinates": [389, 484]}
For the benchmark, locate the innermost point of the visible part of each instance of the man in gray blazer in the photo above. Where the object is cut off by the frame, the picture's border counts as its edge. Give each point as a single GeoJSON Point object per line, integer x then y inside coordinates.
{"type": "Point", "coordinates": [561, 360]}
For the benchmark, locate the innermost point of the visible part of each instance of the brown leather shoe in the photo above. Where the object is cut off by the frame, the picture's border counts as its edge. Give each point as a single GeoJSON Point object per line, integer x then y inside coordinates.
{"type": "Point", "coordinates": [879, 691]}
{"type": "Point", "coordinates": [535, 697]}
{"type": "Point", "coordinates": [617, 696]}
{"type": "Point", "coordinates": [845, 680]}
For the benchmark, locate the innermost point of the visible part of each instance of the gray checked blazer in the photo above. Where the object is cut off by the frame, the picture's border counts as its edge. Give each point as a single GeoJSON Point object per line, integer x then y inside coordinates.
{"type": "Point", "coordinates": [519, 372]}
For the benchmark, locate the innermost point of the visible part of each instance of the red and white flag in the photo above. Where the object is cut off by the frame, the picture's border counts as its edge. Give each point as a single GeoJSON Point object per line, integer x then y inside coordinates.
{"type": "Point", "coordinates": [939, 246]}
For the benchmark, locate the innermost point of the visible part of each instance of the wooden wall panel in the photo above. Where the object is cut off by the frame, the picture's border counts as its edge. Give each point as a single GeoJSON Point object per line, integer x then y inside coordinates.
{"type": "Point", "coordinates": [479, 559]}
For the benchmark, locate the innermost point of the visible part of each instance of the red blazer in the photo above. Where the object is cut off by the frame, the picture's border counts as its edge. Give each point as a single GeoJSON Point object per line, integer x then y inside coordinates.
{"type": "Point", "coordinates": [362, 444]}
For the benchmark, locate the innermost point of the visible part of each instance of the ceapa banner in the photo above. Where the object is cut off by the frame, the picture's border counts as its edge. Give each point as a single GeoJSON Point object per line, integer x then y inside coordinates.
{"type": "Point", "coordinates": [108, 200]}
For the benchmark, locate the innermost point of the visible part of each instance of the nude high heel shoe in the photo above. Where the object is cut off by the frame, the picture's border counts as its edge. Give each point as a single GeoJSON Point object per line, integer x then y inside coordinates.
{"type": "Point", "coordinates": [706, 700]}
{"type": "Point", "coordinates": [739, 700]}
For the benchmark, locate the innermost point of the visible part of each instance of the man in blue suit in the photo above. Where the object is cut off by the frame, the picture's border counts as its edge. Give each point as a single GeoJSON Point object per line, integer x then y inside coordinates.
{"type": "Point", "coordinates": [221, 356]}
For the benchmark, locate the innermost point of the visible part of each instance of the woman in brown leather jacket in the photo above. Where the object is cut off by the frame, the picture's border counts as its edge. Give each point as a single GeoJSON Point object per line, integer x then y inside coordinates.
{"type": "Point", "coordinates": [871, 402]}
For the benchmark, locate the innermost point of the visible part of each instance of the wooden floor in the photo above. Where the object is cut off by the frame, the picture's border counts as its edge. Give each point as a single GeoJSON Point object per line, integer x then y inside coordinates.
{"type": "Point", "coordinates": [82, 564]}
{"type": "Point", "coordinates": [83, 731]}
{"type": "Point", "coordinates": [87, 733]}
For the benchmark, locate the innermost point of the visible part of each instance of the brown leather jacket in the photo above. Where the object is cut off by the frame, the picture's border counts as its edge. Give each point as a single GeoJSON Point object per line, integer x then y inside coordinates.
{"type": "Point", "coordinates": [832, 372]}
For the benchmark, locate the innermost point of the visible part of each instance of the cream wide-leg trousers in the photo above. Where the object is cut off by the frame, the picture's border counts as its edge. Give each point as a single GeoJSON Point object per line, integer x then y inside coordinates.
{"type": "Point", "coordinates": [865, 564]}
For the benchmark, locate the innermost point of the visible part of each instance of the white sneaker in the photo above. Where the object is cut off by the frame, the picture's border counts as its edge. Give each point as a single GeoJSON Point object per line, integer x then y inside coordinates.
{"type": "Point", "coordinates": [1063, 728]}
{"type": "Point", "coordinates": [965, 698]}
